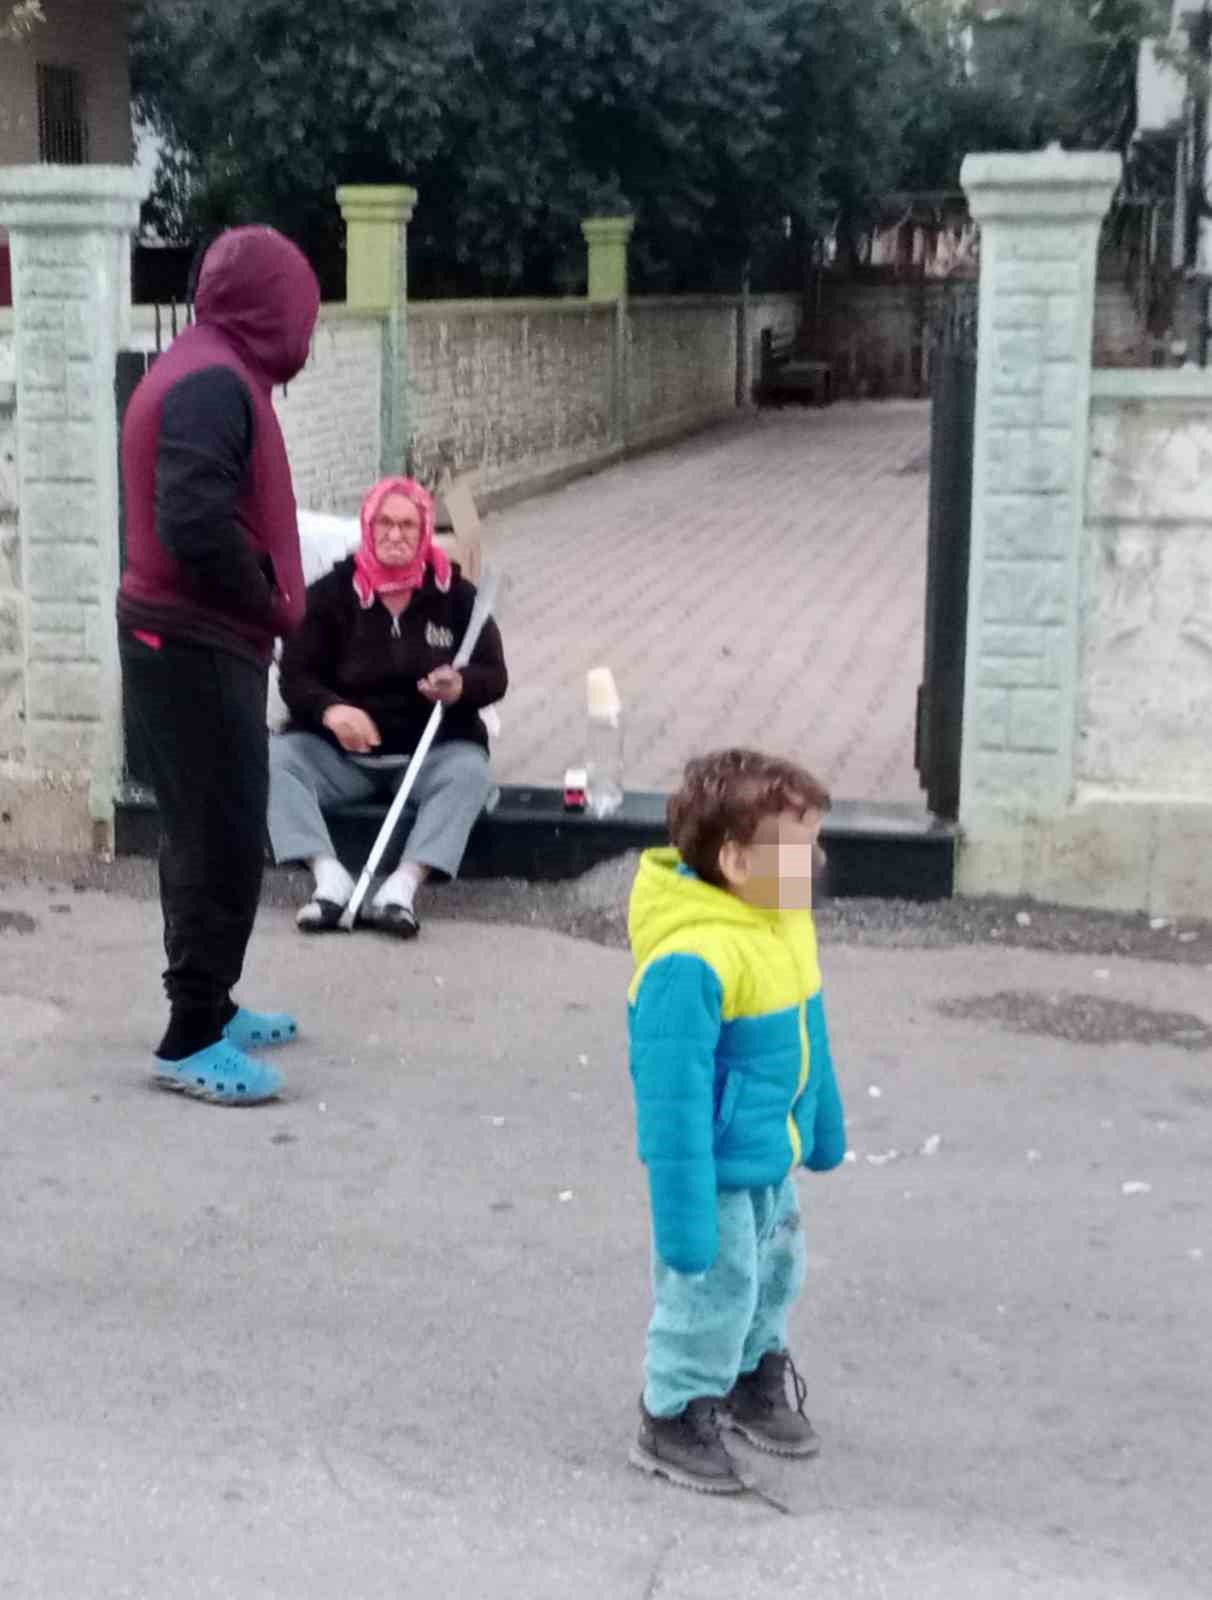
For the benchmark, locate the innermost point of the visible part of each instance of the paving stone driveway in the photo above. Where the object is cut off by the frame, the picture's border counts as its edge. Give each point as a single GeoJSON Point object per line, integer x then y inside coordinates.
{"type": "Point", "coordinates": [761, 583]}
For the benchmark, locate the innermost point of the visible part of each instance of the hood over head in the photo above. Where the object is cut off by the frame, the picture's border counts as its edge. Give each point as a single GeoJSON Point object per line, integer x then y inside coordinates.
{"type": "Point", "coordinates": [257, 287]}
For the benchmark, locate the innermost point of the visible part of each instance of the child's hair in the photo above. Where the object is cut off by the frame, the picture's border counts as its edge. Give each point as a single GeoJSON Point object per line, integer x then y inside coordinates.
{"type": "Point", "coordinates": [726, 795]}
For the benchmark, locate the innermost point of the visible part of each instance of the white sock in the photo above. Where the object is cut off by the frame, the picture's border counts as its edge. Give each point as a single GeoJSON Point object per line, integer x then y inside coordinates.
{"type": "Point", "coordinates": [332, 881]}
{"type": "Point", "coordinates": [401, 888]}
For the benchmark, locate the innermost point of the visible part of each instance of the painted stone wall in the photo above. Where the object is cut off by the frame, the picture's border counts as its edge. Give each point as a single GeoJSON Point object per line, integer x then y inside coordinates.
{"type": "Point", "coordinates": [681, 366]}
{"type": "Point", "coordinates": [12, 602]}
{"type": "Point", "coordinates": [508, 391]}
{"type": "Point", "coordinates": [1145, 710]}
{"type": "Point", "coordinates": [330, 414]}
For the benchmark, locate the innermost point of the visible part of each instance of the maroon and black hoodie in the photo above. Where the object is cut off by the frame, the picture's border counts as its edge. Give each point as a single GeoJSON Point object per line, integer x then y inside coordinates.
{"type": "Point", "coordinates": [212, 537]}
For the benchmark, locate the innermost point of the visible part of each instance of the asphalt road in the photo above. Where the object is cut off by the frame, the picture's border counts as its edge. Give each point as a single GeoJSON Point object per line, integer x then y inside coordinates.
{"type": "Point", "coordinates": [383, 1338]}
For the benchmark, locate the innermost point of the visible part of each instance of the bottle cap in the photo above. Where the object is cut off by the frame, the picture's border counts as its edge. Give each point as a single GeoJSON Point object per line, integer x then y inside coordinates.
{"type": "Point", "coordinates": [601, 695]}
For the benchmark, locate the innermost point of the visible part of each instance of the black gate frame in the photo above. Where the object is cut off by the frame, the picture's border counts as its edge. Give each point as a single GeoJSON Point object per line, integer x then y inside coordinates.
{"type": "Point", "coordinates": [129, 371]}
{"type": "Point", "coordinates": [940, 699]}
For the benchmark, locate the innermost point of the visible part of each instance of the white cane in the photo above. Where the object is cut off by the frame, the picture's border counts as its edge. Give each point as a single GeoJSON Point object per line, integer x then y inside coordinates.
{"type": "Point", "coordinates": [486, 596]}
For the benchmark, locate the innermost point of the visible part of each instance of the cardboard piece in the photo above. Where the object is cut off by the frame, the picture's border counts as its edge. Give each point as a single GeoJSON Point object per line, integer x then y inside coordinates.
{"type": "Point", "coordinates": [462, 544]}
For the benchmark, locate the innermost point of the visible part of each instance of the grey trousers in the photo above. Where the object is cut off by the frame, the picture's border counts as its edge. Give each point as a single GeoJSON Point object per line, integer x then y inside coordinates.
{"type": "Point", "coordinates": [307, 775]}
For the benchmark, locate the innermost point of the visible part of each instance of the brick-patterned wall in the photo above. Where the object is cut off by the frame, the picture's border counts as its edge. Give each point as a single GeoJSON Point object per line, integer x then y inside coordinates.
{"type": "Point", "coordinates": [68, 468]}
{"type": "Point", "coordinates": [509, 391]}
{"type": "Point", "coordinates": [1087, 778]}
{"type": "Point", "coordinates": [330, 414]}
{"type": "Point", "coordinates": [681, 366]}
{"type": "Point", "coordinates": [1020, 675]}
{"type": "Point", "coordinates": [515, 392]}
{"type": "Point", "coordinates": [12, 605]}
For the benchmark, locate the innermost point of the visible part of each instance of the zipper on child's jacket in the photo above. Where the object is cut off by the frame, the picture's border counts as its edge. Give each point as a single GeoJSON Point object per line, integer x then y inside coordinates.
{"type": "Point", "coordinates": [797, 1144]}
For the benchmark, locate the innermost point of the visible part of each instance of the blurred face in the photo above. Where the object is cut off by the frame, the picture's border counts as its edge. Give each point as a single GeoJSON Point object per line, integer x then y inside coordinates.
{"type": "Point", "coordinates": [774, 872]}
{"type": "Point", "coordinates": [397, 530]}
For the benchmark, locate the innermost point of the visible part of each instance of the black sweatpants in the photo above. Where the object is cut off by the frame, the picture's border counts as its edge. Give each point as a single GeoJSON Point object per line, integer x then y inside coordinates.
{"type": "Point", "coordinates": [199, 716]}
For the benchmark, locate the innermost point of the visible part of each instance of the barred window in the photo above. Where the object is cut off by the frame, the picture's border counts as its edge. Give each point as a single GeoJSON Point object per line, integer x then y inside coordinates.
{"type": "Point", "coordinates": [62, 126]}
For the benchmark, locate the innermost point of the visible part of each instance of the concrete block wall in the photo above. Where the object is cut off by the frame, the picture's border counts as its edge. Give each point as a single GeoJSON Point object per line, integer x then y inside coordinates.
{"type": "Point", "coordinates": [12, 597]}
{"type": "Point", "coordinates": [520, 394]}
{"type": "Point", "coordinates": [1144, 753]}
{"type": "Point", "coordinates": [681, 366]}
{"type": "Point", "coordinates": [64, 555]}
{"type": "Point", "coordinates": [70, 238]}
{"type": "Point", "coordinates": [509, 391]}
{"type": "Point", "coordinates": [1087, 766]}
{"type": "Point", "coordinates": [1039, 216]}
{"type": "Point", "coordinates": [330, 414]}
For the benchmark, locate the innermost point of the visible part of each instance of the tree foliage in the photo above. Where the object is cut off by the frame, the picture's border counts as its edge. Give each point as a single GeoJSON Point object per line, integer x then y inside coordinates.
{"type": "Point", "coordinates": [727, 127]}
{"type": "Point", "coordinates": [1066, 69]}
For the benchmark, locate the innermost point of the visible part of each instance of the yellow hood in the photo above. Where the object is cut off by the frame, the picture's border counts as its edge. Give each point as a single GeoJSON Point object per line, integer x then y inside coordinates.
{"type": "Point", "coordinates": [669, 903]}
{"type": "Point", "coordinates": [673, 913]}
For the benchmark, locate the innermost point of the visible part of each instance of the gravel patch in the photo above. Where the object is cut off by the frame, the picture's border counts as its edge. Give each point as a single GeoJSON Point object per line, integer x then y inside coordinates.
{"type": "Point", "coordinates": [594, 907]}
{"type": "Point", "coordinates": [1084, 1019]}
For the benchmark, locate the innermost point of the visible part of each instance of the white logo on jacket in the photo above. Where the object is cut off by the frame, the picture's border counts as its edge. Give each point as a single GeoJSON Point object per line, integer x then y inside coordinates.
{"type": "Point", "coordinates": [438, 638]}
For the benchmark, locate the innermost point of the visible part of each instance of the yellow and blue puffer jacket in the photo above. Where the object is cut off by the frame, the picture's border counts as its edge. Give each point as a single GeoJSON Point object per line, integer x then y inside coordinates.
{"type": "Point", "coordinates": [734, 1082]}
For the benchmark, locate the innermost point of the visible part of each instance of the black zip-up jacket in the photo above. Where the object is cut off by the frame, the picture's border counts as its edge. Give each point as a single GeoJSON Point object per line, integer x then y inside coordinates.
{"type": "Point", "coordinates": [343, 654]}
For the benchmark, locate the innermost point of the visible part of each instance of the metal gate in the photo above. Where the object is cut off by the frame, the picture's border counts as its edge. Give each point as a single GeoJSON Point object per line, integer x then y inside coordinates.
{"type": "Point", "coordinates": [940, 697]}
{"type": "Point", "coordinates": [128, 372]}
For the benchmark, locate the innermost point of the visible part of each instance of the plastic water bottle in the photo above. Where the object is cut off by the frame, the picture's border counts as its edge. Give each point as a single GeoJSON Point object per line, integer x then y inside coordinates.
{"type": "Point", "coordinates": [604, 744]}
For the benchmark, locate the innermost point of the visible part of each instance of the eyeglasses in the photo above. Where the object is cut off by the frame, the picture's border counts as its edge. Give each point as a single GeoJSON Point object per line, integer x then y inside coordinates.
{"type": "Point", "coordinates": [391, 525]}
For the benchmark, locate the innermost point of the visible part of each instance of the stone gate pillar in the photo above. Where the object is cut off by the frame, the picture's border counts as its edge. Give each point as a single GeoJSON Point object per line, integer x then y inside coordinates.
{"type": "Point", "coordinates": [70, 232]}
{"type": "Point", "coordinates": [608, 240]}
{"type": "Point", "coordinates": [1039, 216]}
{"type": "Point", "coordinates": [376, 279]}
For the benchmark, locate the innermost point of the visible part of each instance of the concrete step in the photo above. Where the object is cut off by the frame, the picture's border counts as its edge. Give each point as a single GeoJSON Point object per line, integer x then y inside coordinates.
{"type": "Point", "coordinates": [895, 852]}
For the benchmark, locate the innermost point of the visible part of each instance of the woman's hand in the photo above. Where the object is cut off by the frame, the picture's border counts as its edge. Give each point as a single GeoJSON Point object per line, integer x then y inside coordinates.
{"type": "Point", "coordinates": [353, 729]}
{"type": "Point", "coordinates": [443, 686]}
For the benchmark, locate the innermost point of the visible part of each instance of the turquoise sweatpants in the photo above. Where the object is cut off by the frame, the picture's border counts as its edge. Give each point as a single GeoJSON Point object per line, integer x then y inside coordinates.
{"type": "Point", "coordinates": [709, 1328]}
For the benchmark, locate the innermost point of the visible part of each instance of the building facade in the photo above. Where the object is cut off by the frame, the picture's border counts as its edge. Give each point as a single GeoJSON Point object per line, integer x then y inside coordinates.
{"type": "Point", "coordinates": [65, 94]}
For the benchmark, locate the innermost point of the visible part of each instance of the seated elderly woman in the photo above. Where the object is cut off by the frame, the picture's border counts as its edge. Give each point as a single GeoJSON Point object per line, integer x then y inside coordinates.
{"type": "Point", "coordinates": [360, 679]}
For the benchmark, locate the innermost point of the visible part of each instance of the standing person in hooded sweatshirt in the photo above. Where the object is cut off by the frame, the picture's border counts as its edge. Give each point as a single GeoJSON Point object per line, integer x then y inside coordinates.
{"type": "Point", "coordinates": [213, 575]}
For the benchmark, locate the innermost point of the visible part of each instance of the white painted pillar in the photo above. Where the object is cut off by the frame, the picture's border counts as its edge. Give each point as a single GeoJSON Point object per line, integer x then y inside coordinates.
{"type": "Point", "coordinates": [1039, 217]}
{"type": "Point", "coordinates": [69, 230]}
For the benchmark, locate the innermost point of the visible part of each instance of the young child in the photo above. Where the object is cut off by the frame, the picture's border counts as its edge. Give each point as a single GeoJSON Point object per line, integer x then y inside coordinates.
{"type": "Point", "coordinates": [734, 1090]}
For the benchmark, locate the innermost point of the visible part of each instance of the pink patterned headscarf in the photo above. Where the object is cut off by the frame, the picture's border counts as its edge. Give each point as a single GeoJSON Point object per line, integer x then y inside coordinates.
{"type": "Point", "coordinates": [372, 576]}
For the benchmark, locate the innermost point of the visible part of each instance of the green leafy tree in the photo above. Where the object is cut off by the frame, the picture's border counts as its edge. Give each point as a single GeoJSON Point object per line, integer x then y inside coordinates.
{"type": "Point", "coordinates": [284, 99]}
{"type": "Point", "coordinates": [663, 108]}
{"type": "Point", "coordinates": [719, 126]}
{"type": "Point", "coordinates": [734, 132]}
